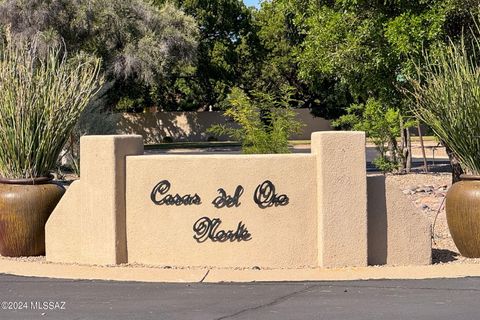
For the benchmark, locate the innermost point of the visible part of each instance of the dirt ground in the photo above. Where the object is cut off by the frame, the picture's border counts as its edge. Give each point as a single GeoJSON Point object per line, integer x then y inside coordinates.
{"type": "Point", "coordinates": [427, 192]}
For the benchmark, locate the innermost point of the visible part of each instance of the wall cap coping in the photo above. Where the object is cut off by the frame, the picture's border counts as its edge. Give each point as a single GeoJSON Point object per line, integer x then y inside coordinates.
{"type": "Point", "coordinates": [225, 156]}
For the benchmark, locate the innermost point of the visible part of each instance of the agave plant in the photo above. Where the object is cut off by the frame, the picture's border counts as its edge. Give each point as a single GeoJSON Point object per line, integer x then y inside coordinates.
{"type": "Point", "coordinates": [446, 94]}
{"type": "Point", "coordinates": [42, 96]}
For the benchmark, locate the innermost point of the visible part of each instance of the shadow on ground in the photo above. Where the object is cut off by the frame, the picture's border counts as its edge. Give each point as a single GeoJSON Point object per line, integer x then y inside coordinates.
{"type": "Point", "coordinates": [443, 256]}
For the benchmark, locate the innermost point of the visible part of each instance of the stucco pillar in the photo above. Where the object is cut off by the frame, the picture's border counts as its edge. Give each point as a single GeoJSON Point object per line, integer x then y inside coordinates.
{"type": "Point", "coordinates": [88, 225]}
{"type": "Point", "coordinates": [103, 171]}
{"type": "Point", "coordinates": [341, 198]}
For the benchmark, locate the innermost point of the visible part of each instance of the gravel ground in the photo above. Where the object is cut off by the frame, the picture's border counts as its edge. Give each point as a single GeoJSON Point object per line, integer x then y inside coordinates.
{"type": "Point", "coordinates": [427, 192]}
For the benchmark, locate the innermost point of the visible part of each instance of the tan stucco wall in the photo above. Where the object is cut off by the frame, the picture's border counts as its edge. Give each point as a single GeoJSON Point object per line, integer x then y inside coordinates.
{"type": "Point", "coordinates": [192, 126]}
{"type": "Point", "coordinates": [62, 231]}
{"type": "Point", "coordinates": [283, 236]}
{"type": "Point", "coordinates": [325, 222]}
{"type": "Point", "coordinates": [397, 232]}
{"type": "Point", "coordinates": [342, 192]}
{"type": "Point", "coordinates": [108, 217]}
{"type": "Point", "coordinates": [89, 224]}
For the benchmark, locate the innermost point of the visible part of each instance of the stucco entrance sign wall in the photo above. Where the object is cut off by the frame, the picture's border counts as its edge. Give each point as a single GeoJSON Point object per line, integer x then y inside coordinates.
{"type": "Point", "coordinates": [268, 211]}
{"type": "Point", "coordinates": [186, 210]}
{"type": "Point", "coordinates": [222, 210]}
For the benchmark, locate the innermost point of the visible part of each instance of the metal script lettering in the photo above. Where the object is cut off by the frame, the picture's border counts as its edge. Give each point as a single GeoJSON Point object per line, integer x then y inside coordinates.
{"type": "Point", "coordinates": [266, 197]}
{"type": "Point", "coordinates": [207, 229]}
{"type": "Point", "coordinates": [162, 188]}
{"type": "Point", "coordinates": [224, 200]}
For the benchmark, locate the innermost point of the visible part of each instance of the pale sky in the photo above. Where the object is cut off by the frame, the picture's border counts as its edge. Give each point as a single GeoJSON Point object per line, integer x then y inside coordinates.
{"type": "Point", "coordinates": [252, 3]}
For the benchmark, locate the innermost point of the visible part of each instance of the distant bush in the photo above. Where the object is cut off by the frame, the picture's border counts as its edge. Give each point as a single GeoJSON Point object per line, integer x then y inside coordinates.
{"type": "Point", "coordinates": [266, 121]}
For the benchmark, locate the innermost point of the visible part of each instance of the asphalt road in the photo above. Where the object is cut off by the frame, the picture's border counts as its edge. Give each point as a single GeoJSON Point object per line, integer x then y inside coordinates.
{"type": "Point", "coordinates": [385, 299]}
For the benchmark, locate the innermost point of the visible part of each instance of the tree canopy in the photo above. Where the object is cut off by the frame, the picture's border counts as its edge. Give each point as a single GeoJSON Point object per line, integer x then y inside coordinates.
{"type": "Point", "coordinates": [370, 47]}
{"type": "Point", "coordinates": [140, 44]}
{"type": "Point", "coordinates": [190, 54]}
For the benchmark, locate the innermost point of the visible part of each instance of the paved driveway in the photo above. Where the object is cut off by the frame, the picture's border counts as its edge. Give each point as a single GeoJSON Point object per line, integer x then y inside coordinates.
{"type": "Point", "coordinates": [389, 299]}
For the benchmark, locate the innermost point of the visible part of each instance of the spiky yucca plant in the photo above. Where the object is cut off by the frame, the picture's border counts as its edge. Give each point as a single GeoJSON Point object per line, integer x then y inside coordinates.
{"type": "Point", "coordinates": [42, 94]}
{"type": "Point", "coordinates": [446, 96]}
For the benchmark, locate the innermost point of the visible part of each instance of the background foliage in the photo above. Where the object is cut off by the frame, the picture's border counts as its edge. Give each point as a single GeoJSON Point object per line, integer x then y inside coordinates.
{"type": "Point", "coordinates": [266, 121]}
{"type": "Point", "coordinates": [140, 45]}
{"type": "Point", "coordinates": [346, 60]}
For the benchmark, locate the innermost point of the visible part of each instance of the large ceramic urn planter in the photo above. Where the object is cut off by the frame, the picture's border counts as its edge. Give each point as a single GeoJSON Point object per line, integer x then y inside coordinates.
{"type": "Point", "coordinates": [25, 206]}
{"type": "Point", "coordinates": [463, 215]}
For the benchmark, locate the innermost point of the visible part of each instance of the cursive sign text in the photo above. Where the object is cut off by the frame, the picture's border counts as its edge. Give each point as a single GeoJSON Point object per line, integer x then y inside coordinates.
{"type": "Point", "coordinates": [224, 200]}
{"type": "Point", "coordinates": [207, 229]}
{"type": "Point", "coordinates": [266, 197]}
{"type": "Point", "coordinates": [160, 197]}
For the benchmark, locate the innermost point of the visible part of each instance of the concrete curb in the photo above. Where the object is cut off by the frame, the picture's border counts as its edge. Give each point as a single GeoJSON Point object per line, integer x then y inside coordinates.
{"type": "Point", "coordinates": [158, 274]}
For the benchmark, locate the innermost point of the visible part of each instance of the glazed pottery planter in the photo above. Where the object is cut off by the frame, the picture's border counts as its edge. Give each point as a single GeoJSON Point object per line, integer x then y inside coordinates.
{"type": "Point", "coordinates": [25, 206]}
{"type": "Point", "coordinates": [463, 215]}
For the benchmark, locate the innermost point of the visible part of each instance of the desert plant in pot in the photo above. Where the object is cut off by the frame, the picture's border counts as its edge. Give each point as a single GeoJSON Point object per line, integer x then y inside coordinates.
{"type": "Point", "coordinates": [446, 94]}
{"type": "Point", "coordinates": [42, 96]}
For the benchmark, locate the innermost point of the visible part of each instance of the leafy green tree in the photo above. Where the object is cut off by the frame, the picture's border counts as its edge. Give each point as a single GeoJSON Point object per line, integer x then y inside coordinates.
{"type": "Point", "coordinates": [369, 47]}
{"type": "Point", "coordinates": [380, 123]}
{"type": "Point", "coordinates": [228, 46]}
{"type": "Point", "coordinates": [140, 45]}
{"type": "Point", "coordinates": [282, 31]}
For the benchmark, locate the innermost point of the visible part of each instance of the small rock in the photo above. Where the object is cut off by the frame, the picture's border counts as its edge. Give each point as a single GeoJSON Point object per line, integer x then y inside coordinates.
{"type": "Point", "coordinates": [428, 189]}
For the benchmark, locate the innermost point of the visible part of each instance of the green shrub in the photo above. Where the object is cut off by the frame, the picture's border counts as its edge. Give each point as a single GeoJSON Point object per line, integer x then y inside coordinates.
{"type": "Point", "coordinates": [42, 96]}
{"type": "Point", "coordinates": [266, 121]}
{"type": "Point", "coordinates": [382, 125]}
{"type": "Point", "coordinates": [385, 164]}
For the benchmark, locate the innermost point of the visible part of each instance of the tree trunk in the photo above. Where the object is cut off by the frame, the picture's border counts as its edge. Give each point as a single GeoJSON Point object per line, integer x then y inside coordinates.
{"type": "Point", "coordinates": [402, 150]}
{"type": "Point", "coordinates": [393, 148]}
{"type": "Point", "coordinates": [408, 158]}
{"type": "Point", "coordinates": [420, 136]}
{"type": "Point", "coordinates": [457, 169]}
